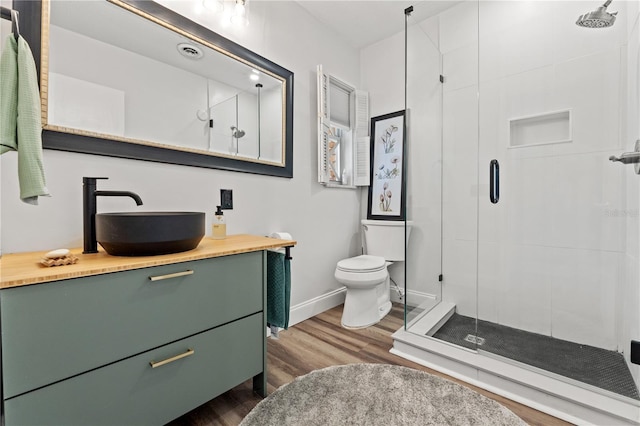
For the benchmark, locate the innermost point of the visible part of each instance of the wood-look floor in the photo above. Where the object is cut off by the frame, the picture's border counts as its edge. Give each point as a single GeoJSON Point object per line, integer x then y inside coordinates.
{"type": "Point", "coordinates": [321, 342]}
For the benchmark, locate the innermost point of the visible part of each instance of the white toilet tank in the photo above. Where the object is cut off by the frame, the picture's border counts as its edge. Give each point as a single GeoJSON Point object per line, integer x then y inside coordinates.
{"type": "Point", "coordinates": [385, 238]}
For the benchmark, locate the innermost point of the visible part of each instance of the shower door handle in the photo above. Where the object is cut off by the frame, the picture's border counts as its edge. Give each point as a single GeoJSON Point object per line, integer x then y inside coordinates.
{"type": "Point", "coordinates": [494, 181]}
{"type": "Point", "coordinates": [627, 158]}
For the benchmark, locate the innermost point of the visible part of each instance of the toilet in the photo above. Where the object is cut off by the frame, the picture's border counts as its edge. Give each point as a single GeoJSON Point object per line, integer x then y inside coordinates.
{"type": "Point", "coordinates": [366, 277]}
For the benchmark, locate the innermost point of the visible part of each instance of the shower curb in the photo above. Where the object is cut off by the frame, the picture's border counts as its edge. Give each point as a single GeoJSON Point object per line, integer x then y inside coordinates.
{"type": "Point", "coordinates": [563, 400]}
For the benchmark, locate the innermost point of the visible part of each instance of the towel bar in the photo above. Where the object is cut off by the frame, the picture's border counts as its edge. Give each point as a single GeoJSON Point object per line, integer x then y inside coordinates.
{"type": "Point", "coordinates": [5, 13]}
{"type": "Point", "coordinates": [13, 16]}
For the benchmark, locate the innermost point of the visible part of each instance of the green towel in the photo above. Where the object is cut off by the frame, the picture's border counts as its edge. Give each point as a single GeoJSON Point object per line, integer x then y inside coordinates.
{"type": "Point", "coordinates": [20, 119]}
{"type": "Point", "coordinates": [278, 289]}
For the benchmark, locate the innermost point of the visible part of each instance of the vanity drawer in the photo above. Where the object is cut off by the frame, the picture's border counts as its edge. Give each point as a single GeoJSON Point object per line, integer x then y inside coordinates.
{"type": "Point", "coordinates": [132, 392]}
{"type": "Point", "coordinates": [57, 330]}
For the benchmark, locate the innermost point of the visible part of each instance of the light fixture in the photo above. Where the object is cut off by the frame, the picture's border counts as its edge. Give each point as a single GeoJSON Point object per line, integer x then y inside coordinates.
{"type": "Point", "coordinates": [213, 5]}
{"type": "Point", "coordinates": [255, 75]}
{"type": "Point", "coordinates": [239, 15]}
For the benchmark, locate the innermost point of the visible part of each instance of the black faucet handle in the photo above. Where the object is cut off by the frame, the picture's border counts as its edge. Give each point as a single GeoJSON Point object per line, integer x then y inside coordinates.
{"type": "Point", "coordinates": [91, 180]}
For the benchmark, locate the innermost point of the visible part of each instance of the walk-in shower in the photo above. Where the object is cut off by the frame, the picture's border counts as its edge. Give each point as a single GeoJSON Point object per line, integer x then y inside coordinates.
{"type": "Point", "coordinates": [524, 273]}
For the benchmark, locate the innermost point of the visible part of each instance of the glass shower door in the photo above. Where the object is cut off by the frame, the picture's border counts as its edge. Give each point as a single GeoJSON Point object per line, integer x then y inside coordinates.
{"type": "Point", "coordinates": [557, 221]}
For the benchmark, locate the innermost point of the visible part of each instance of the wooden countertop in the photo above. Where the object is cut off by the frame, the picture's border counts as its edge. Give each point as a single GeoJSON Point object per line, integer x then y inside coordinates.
{"type": "Point", "coordinates": [20, 269]}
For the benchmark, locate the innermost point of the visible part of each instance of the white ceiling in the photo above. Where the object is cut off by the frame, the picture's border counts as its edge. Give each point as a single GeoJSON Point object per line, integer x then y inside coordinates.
{"type": "Point", "coordinates": [364, 22]}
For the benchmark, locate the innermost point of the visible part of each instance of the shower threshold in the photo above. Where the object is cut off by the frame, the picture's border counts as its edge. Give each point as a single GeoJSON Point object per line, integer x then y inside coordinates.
{"type": "Point", "coordinates": [495, 368]}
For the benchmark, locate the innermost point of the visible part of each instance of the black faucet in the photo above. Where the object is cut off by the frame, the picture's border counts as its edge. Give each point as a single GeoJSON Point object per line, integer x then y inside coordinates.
{"type": "Point", "coordinates": [89, 195]}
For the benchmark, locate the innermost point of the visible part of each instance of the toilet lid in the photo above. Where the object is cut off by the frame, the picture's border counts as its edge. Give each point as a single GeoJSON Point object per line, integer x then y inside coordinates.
{"type": "Point", "coordinates": [364, 263]}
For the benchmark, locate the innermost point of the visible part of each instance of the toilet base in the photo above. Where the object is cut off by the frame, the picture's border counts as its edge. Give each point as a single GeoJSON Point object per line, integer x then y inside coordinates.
{"type": "Point", "coordinates": [358, 313]}
{"type": "Point", "coordinates": [384, 309]}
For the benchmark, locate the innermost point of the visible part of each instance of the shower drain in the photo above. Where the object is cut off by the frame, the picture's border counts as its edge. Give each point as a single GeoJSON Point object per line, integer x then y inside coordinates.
{"type": "Point", "coordinates": [474, 339]}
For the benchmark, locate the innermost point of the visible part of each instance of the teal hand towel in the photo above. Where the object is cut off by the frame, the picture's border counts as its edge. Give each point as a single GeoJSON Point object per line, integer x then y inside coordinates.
{"type": "Point", "coordinates": [20, 119]}
{"type": "Point", "coordinates": [278, 289]}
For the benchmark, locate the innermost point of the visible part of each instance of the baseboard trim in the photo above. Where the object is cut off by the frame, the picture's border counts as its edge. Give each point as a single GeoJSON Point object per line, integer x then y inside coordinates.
{"type": "Point", "coordinates": [414, 298]}
{"type": "Point", "coordinates": [317, 305]}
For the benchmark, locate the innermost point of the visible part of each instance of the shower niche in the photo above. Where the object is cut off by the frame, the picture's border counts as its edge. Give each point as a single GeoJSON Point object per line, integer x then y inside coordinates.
{"type": "Point", "coordinates": [540, 129]}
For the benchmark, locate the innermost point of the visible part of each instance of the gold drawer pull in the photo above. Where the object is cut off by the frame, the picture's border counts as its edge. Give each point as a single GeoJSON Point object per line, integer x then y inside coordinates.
{"type": "Point", "coordinates": [174, 275]}
{"type": "Point", "coordinates": [154, 364]}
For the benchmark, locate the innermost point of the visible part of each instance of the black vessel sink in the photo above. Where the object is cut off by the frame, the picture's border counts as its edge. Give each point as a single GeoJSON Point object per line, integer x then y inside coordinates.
{"type": "Point", "coordinates": [149, 233]}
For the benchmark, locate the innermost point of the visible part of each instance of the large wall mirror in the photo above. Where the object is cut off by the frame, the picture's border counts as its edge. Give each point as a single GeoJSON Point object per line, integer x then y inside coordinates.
{"type": "Point", "coordinates": [131, 78]}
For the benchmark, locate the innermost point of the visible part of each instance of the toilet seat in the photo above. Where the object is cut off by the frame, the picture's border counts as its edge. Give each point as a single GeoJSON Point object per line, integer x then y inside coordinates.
{"type": "Point", "coordinates": [362, 264]}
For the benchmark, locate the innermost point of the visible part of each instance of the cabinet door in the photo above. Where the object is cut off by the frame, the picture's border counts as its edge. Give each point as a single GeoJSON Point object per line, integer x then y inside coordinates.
{"type": "Point", "coordinates": [53, 331]}
{"type": "Point", "coordinates": [131, 392]}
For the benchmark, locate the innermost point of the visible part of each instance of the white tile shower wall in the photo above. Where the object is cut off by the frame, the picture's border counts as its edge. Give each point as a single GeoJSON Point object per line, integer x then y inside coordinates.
{"type": "Point", "coordinates": [459, 266]}
{"type": "Point", "coordinates": [424, 167]}
{"type": "Point", "coordinates": [460, 207]}
{"type": "Point", "coordinates": [325, 222]}
{"type": "Point", "coordinates": [584, 287]}
{"type": "Point", "coordinates": [525, 300]}
{"type": "Point", "coordinates": [576, 41]}
{"type": "Point", "coordinates": [554, 199]}
{"type": "Point", "coordinates": [270, 100]}
{"type": "Point", "coordinates": [490, 256]}
{"type": "Point", "coordinates": [527, 47]}
{"type": "Point", "coordinates": [247, 121]}
{"type": "Point", "coordinates": [458, 26]}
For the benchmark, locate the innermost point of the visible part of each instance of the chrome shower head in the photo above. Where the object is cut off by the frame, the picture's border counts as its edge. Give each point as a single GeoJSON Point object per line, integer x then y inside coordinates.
{"type": "Point", "coordinates": [599, 18]}
{"type": "Point", "coordinates": [236, 133]}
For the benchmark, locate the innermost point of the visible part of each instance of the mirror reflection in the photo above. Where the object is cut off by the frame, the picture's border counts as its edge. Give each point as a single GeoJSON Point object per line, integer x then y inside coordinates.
{"type": "Point", "coordinates": [118, 75]}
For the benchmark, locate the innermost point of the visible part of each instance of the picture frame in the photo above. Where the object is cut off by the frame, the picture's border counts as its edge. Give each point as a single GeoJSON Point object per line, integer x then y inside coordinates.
{"type": "Point", "coordinates": [387, 174]}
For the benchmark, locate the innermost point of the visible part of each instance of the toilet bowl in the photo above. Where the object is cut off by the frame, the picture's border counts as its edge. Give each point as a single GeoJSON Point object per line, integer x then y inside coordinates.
{"type": "Point", "coordinates": [366, 277]}
{"type": "Point", "coordinates": [363, 276]}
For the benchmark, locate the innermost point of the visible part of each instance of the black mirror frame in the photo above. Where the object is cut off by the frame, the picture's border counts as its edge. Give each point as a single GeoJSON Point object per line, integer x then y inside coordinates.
{"type": "Point", "coordinates": [31, 30]}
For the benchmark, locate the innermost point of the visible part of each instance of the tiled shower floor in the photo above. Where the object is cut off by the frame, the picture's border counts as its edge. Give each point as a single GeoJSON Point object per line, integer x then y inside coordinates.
{"type": "Point", "coordinates": [594, 366]}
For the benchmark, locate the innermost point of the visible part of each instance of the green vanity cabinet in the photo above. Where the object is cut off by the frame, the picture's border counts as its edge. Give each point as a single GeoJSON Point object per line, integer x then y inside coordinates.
{"type": "Point", "coordinates": [79, 351]}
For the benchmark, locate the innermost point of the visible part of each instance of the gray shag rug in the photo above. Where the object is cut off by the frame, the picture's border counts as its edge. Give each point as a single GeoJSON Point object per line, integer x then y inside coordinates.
{"type": "Point", "coordinates": [376, 394]}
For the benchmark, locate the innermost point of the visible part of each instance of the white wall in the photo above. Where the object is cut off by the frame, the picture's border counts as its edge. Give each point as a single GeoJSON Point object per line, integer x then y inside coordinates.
{"type": "Point", "coordinates": [270, 113]}
{"type": "Point", "coordinates": [323, 221]}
